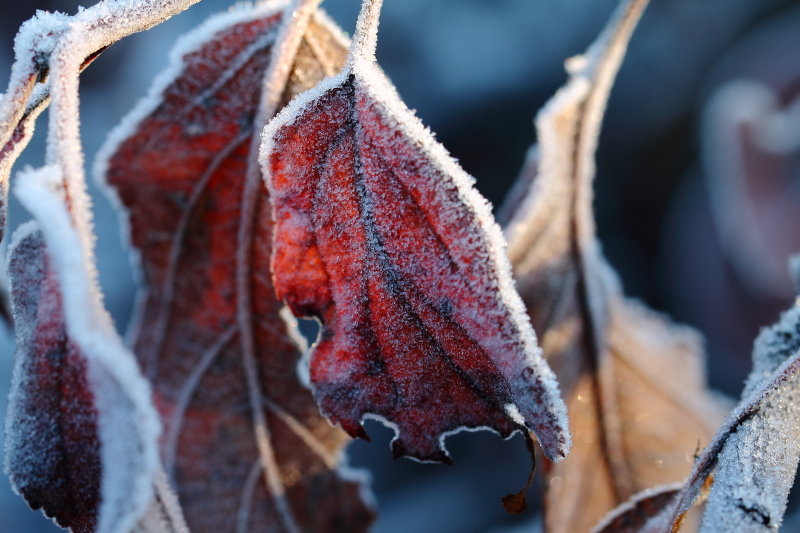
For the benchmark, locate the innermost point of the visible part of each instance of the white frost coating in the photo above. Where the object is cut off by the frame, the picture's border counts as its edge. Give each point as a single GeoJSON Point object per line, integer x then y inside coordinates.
{"type": "Point", "coordinates": [365, 38]}
{"type": "Point", "coordinates": [513, 414]}
{"type": "Point", "coordinates": [22, 232]}
{"type": "Point", "coordinates": [764, 387]}
{"type": "Point", "coordinates": [37, 103]}
{"type": "Point", "coordinates": [369, 77]}
{"type": "Point", "coordinates": [550, 189]}
{"type": "Point", "coordinates": [294, 24]}
{"type": "Point", "coordinates": [35, 41]}
{"type": "Point", "coordinates": [24, 330]}
{"type": "Point", "coordinates": [757, 466]}
{"type": "Point", "coordinates": [128, 424]}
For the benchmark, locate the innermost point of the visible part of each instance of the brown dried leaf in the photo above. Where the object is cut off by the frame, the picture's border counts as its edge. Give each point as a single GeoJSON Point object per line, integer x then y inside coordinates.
{"type": "Point", "coordinates": [634, 383]}
{"type": "Point", "coordinates": [633, 515]}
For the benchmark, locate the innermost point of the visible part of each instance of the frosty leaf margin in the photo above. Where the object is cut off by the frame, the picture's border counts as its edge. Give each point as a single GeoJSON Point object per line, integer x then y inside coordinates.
{"type": "Point", "coordinates": [361, 63]}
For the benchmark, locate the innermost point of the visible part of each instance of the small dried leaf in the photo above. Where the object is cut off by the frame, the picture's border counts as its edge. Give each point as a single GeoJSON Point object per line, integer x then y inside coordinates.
{"type": "Point", "coordinates": [381, 236]}
{"type": "Point", "coordinates": [81, 413]}
{"type": "Point", "coordinates": [634, 384]}
{"type": "Point", "coordinates": [52, 445]}
{"type": "Point", "coordinates": [243, 438]}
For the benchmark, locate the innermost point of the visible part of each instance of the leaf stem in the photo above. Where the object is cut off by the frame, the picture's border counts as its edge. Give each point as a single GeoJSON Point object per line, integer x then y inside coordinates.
{"type": "Point", "coordinates": [293, 27]}
{"type": "Point", "coordinates": [365, 38]}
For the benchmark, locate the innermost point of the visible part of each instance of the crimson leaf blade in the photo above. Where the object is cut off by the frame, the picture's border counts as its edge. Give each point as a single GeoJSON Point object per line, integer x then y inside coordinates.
{"type": "Point", "coordinates": [382, 236]}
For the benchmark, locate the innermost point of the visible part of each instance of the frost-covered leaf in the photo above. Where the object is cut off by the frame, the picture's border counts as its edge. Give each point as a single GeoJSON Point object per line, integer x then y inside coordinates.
{"type": "Point", "coordinates": [756, 444]}
{"type": "Point", "coordinates": [82, 426]}
{"type": "Point", "coordinates": [243, 440]}
{"type": "Point", "coordinates": [52, 446]}
{"type": "Point", "coordinates": [634, 383]}
{"type": "Point", "coordinates": [756, 468]}
{"type": "Point", "coordinates": [382, 236]}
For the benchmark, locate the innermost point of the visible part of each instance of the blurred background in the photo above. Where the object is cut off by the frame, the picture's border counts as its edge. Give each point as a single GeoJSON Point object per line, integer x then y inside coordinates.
{"type": "Point", "coordinates": [697, 192]}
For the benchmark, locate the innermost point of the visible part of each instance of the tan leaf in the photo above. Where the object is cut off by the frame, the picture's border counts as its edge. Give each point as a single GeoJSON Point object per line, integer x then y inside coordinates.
{"type": "Point", "coordinates": [641, 510]}
{"type": "Point", "coordinates": [634, 384]}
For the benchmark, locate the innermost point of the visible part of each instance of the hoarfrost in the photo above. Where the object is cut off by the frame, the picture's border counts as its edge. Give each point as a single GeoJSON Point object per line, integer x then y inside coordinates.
{"type": "Point", "coordinates": [757, 466]}
{"type": "Point", "coordinates": [50, 50]}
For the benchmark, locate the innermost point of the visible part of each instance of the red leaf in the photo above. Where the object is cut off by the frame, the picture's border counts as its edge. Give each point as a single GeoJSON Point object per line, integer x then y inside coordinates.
{"type": "Point", "coordinates": [53, 449]}
{"type": "Point", "coordinates": [381, 236]}
{"type": "Point", "coordinates": [243, 438]}
{"type": "Point", "coordinates": [101, 428]}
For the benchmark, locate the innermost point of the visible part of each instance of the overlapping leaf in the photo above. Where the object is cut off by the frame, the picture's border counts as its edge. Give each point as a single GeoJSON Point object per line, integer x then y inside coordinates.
{"type": "Point", "coordinates": [750, 464]}
{"type": "Point", "coordinates": [634, 384]}
{"type": "Point", "coordinates": [82, 431]}
{"type": "Point", "coordinates": [243, 438]}
{"type": "Point", "coordinates": [757, 467]}
{"type": "Point", "coordinates": [381, 236]}
{"type": "Point", "coordinates": [52, 448]}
